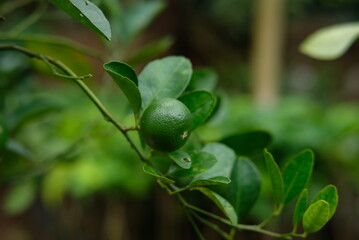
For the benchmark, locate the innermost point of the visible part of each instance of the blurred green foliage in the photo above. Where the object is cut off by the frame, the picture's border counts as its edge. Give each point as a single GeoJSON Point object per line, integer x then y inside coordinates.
{"type": "Point", "coordinates": [51, 135]}
{"type": "Point", "coordinates": [74, 152]}
{"type": "Point", "coordinates": [54, 143]}
{"type": "Point", "coordinates": [297, 123]}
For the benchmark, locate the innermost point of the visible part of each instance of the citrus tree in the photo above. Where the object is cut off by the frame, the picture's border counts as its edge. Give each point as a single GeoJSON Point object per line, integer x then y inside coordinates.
{"type": "Point", "coordinates": [168, 105]}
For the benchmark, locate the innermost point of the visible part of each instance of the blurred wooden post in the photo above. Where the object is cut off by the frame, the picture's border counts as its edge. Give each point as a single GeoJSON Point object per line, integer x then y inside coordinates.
{"type": "Point", "coordinates": [267, 51]}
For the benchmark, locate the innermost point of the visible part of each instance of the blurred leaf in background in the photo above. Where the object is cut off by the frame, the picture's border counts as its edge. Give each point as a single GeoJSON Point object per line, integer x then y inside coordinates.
{"type": "Point", "coordinates": [298, 123]}
{"type": "Point", "coordinates": [330, 42]}
{"type": "Point", "coordinates": [19, 198]}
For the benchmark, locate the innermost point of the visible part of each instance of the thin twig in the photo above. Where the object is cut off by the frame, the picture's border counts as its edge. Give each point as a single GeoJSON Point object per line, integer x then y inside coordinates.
{"type": "Point", "coordinates": [253, 228]}
{"type": "Point", "coordinates": [215, 227]}
{"type": "Point", "coordinates": [56, 73]}
{"type": "Point", "coordinates": [128, 129]}
{"type": "Point", "coordinates": [232, 233]}
{"type": "Point", "coordinates": [107, 115]}
{"type": "Point", "coordinates": [195, 227]}
{"type": "Point", "coordinates": [291, 234]}
{"type": "Point", "coordinates": [277, 210]}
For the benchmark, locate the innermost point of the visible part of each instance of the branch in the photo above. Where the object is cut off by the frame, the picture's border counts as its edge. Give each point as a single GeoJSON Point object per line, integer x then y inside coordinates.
{"type": "Point", "coordinates": [62, 67]}
{"type": "Point", "coordinates": [277, 210]}
{"type": "Point", "coordinates": [195, 227]}
{"type": "Point", "coordinates": [108, 116]}
{"type": "Point", "coordinates": [253, 228]}
{"type": "Point", "coordinates": [215, 227]}
{"type": "Point", "coordinates": [131, 129]}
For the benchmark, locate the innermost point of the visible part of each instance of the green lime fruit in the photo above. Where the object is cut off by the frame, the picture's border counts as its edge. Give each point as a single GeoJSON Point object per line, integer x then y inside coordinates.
{"type": "Point", "coordinates": [166, 125]}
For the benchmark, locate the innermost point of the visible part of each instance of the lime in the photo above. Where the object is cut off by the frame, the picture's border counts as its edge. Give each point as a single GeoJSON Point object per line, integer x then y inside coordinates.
{"type": "Point", "coordinates": [166, 125]}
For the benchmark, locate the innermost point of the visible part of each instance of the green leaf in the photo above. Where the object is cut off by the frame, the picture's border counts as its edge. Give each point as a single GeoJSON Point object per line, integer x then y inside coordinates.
{"type": "Point", "coordinates": [220, 110]}
{"type": "Point", "coordinates": [275, 177]}
{"type": "Point", "coordinates": [55, 184]}
{"type": "Point", "coordinates": [248, 143]}
{"type": "Point", "coordinates": [330, 42]}
{"type": "Point", "coordinates": [123, 70]}
{"type": "Point", "coordinates": [137, 17]}
{"type": "Point", "coordinates": [300, 207]}
{"type": "Point", "coordinates": [209, 181]}
{"type": "Point", "coordinates": [201, 104]}
{"type": "Point", "coordinates": [245, 186]}
{"type": "Point", "coordinates": [149, 170]}
{"type": "Point", "coordinates": [181, 158]}
{"type": "Point", "coordinates": [225, 160]}
{"type": "Point", "coordinates": [330, 195]}
{"type": "Point", "coordinates": [126, 78]}
{"type": "Point", "coordinates": [151, 50]}
{"type": "Point", "coordinates": [203, 79]}
{"type": "Point", "coordinates": [195, 183]}
{"type": "Point", "coordinates": [164, 78]}
{"type": "Point", "coordinates": [296, 174]}
{"type": "Point", "coordinates": [162, 162]}
{"type": "Point", "coordinates": [19, 198]}
{"type": "Point", "coordinates": [87, 14]}
{"type": "Point", "coordinates": [201, 162]}
{"type": "Point", "coordinates": [316, 216]}
{"type": "Point", "coordinates": [222, 203]}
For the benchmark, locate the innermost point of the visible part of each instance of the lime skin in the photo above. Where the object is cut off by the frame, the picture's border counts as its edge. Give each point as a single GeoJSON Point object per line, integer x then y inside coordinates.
{"type": "Point", "coordinates": [166, 125]}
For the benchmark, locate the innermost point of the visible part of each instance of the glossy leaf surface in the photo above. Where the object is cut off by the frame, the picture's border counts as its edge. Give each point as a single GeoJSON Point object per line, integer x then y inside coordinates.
{"type": "Point", "coordinates": [275, 177]}
{"type": "Point", "coordinates": [195, 183]}
{"type": "Point", "coordinates": [300, 207]}
{"type": "Point", "coordinates": [164, 78]}
{"type": "Point", "coordinates": [222, 203]}
{"type": "Point", "coordinates": [225, 160]}
{"type": "Point", "coordinates": [200, 104]}
{"type": "Point", "coordinates": [296, 174]}
{"type": "Point", "coordinates": [245, 186]}
{"type": "Point", "coordinates": [149, 170]}
{"type": "Point", "coordinates": [87, 14]}
{"type": "Point", "coordinates": [209, 181]}
{"type": "Point", "coordinates": [181, 158]}
{"type": "Point", "coordinates": [201, 162]}
{"type": "Point", "coordinates": [126, 78]}
{"type": "Point", "coordinates": [316, 216]}
{"type": "Point", "coordinates": [330, 195]}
